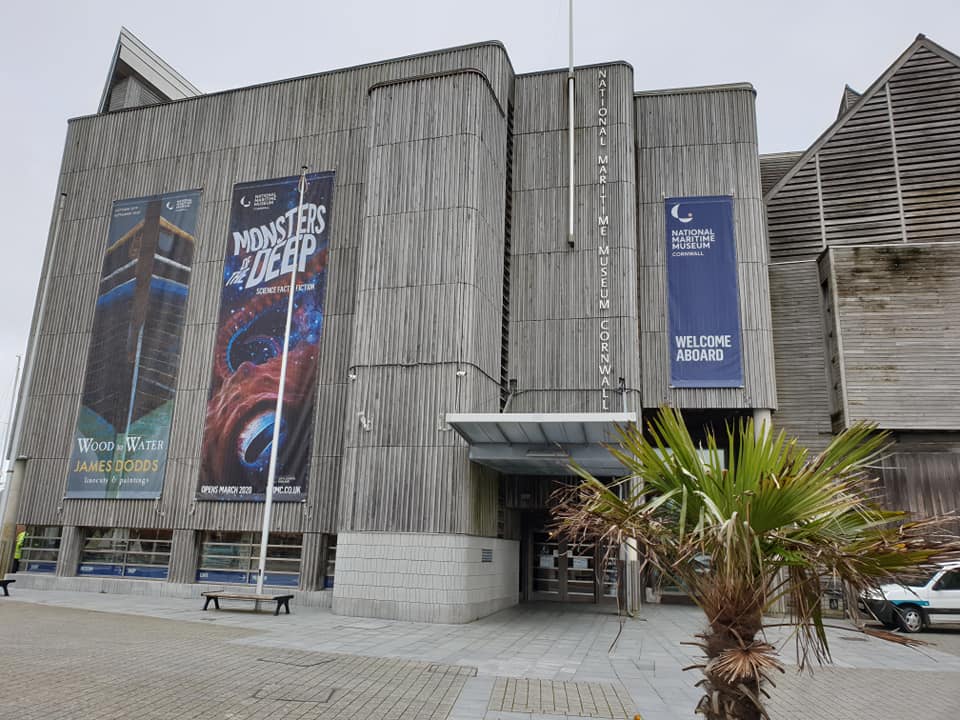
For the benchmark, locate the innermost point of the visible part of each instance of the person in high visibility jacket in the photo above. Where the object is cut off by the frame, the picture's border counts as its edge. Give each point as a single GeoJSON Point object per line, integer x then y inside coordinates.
{"type": "Point", "coordinates": [18, 548]}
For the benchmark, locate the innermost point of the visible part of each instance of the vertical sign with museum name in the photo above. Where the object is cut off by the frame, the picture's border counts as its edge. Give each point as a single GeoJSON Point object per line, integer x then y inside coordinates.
{"type": "Point", "coordinates": [603, 240]}
{"type": "Point", "coordinates": [703, 302]}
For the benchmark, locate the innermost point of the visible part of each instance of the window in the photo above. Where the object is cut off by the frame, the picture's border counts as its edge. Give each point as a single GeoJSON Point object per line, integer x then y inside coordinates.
{"type": "Point", "coordinates": [41, 548]}
{"type": "Point", "coordinates": [331, 561]}
{"type": "Point", "coordinates": [126, 552]}
{"type": "Point", "coordinates": [232, 557]}
{"type": "Point", "coordinates": [949, 581]}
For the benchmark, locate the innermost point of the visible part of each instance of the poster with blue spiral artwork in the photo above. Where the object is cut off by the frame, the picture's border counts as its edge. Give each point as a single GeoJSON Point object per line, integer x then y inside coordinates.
{"type": "Point", "coordinates": [270, 234]}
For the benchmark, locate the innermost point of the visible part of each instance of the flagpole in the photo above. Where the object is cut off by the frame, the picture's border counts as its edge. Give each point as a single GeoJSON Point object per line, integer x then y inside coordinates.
{"type": "Point", "coordinates": [278, 415]}
{"type": "Point", "coordinates": [570, 95]}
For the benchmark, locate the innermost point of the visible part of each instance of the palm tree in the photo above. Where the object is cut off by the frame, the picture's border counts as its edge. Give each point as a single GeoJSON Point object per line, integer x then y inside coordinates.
{"type": "Point", "coordinates": [773, 522]}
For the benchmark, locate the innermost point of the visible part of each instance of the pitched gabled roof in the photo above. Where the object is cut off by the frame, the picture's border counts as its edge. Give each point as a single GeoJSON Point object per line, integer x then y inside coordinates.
{"type": "Point", "coordinates": [132, 60]}
{"type": "Point", "coordinates": [922, 42]}
{"type": "Point", "coordinates": [850, 96]}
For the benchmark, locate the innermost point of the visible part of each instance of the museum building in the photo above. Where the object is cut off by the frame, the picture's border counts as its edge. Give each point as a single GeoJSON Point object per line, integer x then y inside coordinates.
{"type": "Point", "coordinates": [483, 294]}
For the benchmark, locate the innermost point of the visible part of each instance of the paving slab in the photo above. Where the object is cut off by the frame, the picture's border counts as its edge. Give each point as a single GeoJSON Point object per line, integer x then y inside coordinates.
{"type": "Point", "coordinates": [152, 657]}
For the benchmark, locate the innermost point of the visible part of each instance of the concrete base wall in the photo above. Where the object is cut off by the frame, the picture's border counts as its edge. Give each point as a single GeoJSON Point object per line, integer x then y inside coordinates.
{"type": "Point", "coordinates": [424, 577]}
{"type": "Point", "coordinates": [152, 588]}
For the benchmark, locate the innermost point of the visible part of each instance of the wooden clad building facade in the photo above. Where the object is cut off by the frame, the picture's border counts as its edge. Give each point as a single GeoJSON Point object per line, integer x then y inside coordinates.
{"type": "Point", "coordinates": [864, 278]}
{"type": "Point", "coordinates": [459, 313]}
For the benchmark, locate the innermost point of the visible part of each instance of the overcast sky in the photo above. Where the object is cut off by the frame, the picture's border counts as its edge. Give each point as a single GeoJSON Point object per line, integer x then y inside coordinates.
{"type": "Point", "coordinates": [54, 56]}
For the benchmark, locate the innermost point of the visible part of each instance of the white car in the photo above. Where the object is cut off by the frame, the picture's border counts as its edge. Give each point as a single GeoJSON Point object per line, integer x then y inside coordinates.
{"type": "Point", "coordinates": [918, 602]}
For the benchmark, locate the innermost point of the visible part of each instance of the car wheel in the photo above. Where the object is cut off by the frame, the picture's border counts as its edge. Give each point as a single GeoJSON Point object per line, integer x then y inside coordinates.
{"type": "Point", "coordinates": [911, 618]}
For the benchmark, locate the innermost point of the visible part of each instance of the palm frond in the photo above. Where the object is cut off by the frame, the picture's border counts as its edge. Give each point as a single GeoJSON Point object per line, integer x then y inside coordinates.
{"type": "Point", "coordinates": [774, 521]}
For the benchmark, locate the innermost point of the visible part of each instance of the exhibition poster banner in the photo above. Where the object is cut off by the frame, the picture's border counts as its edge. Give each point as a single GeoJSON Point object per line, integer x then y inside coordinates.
{"type": "Point", "coordinates": [702, 296]}
{"type": "Point", "coordinates": [123, 427]}
{"type": "Point", "coordinates": [266, 239]}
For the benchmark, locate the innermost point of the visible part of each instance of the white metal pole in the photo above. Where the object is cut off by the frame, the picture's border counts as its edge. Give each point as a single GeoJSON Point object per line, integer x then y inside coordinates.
{"type": "Point", "coordinates": [278, 415]}
{"type": "Point", "coordinates": [570, 149]}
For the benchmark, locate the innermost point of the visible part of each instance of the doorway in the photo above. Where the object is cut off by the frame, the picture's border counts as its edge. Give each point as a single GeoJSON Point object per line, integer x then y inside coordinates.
{"type": "Point", "coordinates": [558, 571]}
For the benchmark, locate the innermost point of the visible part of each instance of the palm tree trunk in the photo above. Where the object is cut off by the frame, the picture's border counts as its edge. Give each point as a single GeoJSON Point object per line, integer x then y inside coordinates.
{"type": "Point", "coordinates": [730, 695]}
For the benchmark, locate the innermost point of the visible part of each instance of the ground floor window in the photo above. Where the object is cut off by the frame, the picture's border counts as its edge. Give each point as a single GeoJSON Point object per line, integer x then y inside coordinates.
{"type": "Point", "coordinates": [331, 564]}
{"type": "Point", "coordinates": [126, 552]}
{"type": "Point", "coordinates": [233, 557]}
{"type": "Point", "coordinates": [41, 548]}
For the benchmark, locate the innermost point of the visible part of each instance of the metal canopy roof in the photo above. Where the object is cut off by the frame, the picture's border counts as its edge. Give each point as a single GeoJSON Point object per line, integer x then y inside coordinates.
{"type": "Point", "coordinates": [542, 443]}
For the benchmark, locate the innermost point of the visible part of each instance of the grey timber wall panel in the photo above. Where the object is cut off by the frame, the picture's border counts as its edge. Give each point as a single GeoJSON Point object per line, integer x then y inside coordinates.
{"type": "Point", "coordinates": [922, 483]}
{"type": "Point", "coordinates": [774, 166]}
{"type": "Point", "coordinates": [794, 220]}
{"type": "Point", "coordinates": [925, 97]}
{"type": "Point", "coordinates": [212, 142]}
{"type": "Point", "coordinates": [427, 327]}
{"type": "Point", "coordinates": [898, 312]}
{"type": "Point", "coordinates": [887, 172]}
{"type": "Point", "coordinates": [858, 180]}
{"type": "Point", "coordinates": [702, 142]}
{"type": "Point", "coordinates": [559, 295]}
{"type": "Point", "coordinates": [799, 350]}
{"type": "Point", "coordinates": [836, 388]}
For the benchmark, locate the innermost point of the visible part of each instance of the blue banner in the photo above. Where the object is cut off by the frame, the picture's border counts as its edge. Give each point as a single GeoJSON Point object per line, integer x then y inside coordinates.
{"type": "Point", "coordinates": [702, 297]}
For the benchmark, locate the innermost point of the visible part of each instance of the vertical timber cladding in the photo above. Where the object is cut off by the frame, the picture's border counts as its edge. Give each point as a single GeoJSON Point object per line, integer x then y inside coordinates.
{"type": "Point", "coordinates": [694, 143]}
{"type": "Point", "coordinates": [429, 306]}
{"type": "Point", "coordinates": [209, 142]}
{"type": "Point", "coordinates": [573, 311]}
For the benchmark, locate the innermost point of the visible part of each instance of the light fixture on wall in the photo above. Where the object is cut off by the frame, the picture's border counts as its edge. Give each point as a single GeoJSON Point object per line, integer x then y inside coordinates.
{"type": "Point", "coordinates": [365, 422]}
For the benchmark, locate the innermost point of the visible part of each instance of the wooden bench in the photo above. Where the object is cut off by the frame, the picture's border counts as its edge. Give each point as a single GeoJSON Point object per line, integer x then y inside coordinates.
{"type": "Point", "coordinates": [3, 584]}
{"type": "Point", "coordinates": [218, 595]}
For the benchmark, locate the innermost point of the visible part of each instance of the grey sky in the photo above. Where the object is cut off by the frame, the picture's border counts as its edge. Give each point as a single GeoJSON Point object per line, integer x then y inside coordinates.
{"type": "Point", "coordinates": [54, 58]}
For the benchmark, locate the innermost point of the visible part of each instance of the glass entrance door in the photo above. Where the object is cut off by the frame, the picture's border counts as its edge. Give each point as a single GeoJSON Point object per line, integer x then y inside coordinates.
{"type": "Point", "coordinates": [568, 573]}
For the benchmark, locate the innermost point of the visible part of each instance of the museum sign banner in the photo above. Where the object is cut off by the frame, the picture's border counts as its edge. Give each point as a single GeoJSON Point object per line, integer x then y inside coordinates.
{"type": "Point", "coordinates": [123, 426]}
{"type": "Point", "coordinates": [702, 295]}
{"type": "Point", "coordinates": [270, 233]}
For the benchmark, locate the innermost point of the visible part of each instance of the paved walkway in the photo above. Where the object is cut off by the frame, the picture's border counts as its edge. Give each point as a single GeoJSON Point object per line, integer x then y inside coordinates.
{"type": "Point", "coordinates": [163, 658]}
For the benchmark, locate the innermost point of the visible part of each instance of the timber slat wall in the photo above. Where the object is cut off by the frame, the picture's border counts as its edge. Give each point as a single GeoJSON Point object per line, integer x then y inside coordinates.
{"type": "Point", "coordinates": [898, 316]}
{"type": "Point", "coordinates": [702, 141]}
{"type": "Point", "coordinates": [798, 329]}
{"type": "Point", "coordinates": [887, 172]}
{"type": "Point", "coordinates": [212, 142]}
{"type": "Point", "coordinates": [428, 322]}
{"type": "Point", "coordinates": [922, 483]}
{"type": "Point", "coordinates": [774, 166]}
{"type": "Point", "coordinates": [555, 309]}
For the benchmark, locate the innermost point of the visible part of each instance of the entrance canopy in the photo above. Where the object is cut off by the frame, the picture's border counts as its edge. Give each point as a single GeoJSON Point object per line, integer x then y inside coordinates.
{"type": "Point", "coordinates": [542, 444]}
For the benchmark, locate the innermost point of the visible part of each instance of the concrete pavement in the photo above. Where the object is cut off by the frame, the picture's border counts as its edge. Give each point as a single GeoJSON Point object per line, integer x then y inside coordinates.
{"type": "Point", "coordinates": [150, 657]}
